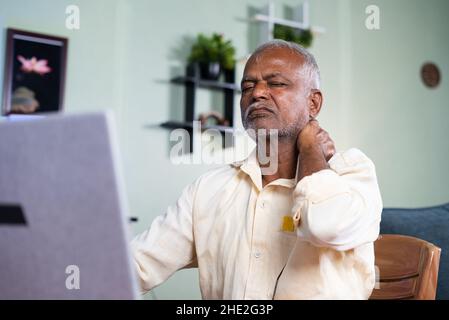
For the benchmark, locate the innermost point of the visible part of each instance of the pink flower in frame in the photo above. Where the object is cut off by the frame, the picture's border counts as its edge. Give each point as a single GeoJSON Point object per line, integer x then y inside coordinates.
{"type": "Point", "coordinates": [34, 65]}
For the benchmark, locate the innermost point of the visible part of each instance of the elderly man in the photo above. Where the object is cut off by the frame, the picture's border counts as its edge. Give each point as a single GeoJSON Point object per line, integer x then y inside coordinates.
{"type": "Point", "coordinates": [303, 231]}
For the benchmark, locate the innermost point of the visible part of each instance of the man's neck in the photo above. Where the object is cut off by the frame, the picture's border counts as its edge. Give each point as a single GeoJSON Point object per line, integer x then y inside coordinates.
{"type": "Point", "coordinates": [287, 157]}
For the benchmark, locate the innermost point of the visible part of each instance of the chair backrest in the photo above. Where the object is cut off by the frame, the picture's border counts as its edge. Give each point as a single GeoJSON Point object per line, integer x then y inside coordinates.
{"type": "Point", "coordinates": [407, 267]}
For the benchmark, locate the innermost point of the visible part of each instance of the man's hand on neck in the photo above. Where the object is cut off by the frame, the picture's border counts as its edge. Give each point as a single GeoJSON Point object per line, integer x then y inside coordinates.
{"type": "Point", "coordinates": [315, 148]}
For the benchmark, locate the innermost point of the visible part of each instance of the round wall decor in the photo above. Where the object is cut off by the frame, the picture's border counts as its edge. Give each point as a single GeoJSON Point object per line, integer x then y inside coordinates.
{"type": "Point", "coordinates": [430, 75]}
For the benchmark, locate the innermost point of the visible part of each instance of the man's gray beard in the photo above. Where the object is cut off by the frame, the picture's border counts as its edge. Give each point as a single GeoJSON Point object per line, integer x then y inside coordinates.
{"type": "Point", "coordinates": [288, 133]}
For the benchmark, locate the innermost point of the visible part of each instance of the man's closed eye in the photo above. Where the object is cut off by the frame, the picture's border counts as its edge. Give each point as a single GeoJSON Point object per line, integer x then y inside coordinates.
{"type": "Point", "coordinates": [277, 84]}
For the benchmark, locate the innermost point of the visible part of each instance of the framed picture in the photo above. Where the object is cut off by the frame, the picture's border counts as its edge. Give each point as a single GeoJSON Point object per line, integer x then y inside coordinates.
{"type": "Point", "coordinates": [35, 70]}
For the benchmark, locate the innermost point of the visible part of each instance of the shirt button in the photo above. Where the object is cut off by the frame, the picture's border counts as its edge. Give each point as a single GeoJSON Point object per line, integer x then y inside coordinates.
{"type": "Point", "coordinates": [257, 255]}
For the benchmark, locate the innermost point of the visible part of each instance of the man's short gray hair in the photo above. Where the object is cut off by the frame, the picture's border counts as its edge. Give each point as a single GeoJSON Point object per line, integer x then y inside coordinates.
{"type": "Point", "coordinates": [309, 69]}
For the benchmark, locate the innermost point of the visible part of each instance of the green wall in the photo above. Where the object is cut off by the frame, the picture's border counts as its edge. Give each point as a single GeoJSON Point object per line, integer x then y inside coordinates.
{"type": "Point", "coordinates": [126, 51]}
{"type": "Point", "coordinates": [401, 123]}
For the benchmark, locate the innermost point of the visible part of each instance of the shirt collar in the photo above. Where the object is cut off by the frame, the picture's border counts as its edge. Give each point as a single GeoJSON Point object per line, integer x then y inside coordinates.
{"type": "Point", "coordinates": [251, 167]}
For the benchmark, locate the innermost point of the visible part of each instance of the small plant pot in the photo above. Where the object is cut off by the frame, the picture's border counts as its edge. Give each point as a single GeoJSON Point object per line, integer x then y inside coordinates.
{"type": "Point", "coordinates": [210, 71]}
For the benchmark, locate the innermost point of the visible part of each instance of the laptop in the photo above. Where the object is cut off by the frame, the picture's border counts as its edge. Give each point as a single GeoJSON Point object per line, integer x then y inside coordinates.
{"type": "Point", "coordinates": [64, 231]}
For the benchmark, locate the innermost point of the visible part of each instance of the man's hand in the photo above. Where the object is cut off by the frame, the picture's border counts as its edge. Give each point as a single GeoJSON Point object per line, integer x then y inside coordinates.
{"type": "Point", "coordinates": [311, 135]}
{"type": "Point", "coordinates": [315, 148]}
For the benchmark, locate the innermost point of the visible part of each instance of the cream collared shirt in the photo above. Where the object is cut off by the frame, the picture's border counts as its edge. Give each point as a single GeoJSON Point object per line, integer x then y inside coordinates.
{"type": "Point", "coordinates": [233, 230]}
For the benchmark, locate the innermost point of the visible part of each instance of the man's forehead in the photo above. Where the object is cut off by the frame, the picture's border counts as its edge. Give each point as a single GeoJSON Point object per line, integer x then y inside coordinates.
{"type": "Point", "coordinates": [280, 59]}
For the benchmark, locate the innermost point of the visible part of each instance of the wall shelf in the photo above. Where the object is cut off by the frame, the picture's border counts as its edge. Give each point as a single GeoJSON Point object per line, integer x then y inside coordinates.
{"type": "Point", "coordinates": [189, 126]}
{"type": "Point", "coordinates": [208, 84]}
{"type": "Point", "coordinates": [192, 81]}
{"type": "Point", "coordinates": [288, 23]}
{"type": "Point", "coordinates": [300, 21]}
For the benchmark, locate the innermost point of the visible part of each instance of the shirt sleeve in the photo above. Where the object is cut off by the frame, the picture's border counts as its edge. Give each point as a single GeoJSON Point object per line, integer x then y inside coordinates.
{"type": "Point", "coordinates": [168, 244]}
{"type": "Point", "coordinates": [339, 207]}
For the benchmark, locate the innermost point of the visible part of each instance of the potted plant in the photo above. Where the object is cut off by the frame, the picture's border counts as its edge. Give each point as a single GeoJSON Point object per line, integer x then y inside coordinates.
{"type": "Point", "coordinates": [212, 54]}
{"type": "Point", "coordinates": [303, 37]}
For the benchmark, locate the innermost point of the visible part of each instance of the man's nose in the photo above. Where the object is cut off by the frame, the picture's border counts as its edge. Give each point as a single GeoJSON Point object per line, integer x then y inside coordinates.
{"type": "Point", "coordinates": [260, 90]}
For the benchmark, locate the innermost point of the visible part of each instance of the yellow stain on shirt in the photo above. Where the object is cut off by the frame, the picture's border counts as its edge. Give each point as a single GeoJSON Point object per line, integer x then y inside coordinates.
{"type": "Point", "coordinates": [287, 224]}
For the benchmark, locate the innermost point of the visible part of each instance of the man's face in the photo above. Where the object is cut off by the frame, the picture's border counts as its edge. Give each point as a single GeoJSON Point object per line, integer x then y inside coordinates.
{"type": "Point", "coordinates": [274, 93]}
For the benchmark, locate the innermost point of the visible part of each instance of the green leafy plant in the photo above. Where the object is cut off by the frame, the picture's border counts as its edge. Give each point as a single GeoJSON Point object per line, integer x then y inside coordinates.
{"type": "Point", "coordinates": [213, 49]}
{"type": "Point", "coordinates": [302, 37]}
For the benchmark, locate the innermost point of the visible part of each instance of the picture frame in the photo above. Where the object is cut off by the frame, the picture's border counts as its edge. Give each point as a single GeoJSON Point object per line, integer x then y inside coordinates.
{"type": "Point", "coordinates": [35, 72]}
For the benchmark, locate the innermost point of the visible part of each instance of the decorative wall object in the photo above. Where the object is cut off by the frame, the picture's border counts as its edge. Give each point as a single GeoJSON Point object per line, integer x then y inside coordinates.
{"type": "Point", "coordinates": [35, 70]}
{"type": "Point", "coordinates": [430, 75]}
{"type": "Point", "coordinates": [298, 29]}
{"type": "Point", "coordinates": [218, 117]}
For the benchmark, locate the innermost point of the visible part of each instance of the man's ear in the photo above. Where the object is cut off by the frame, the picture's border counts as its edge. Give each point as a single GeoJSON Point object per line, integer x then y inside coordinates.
{"type": "Point", "coordinates": [315, 100]}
